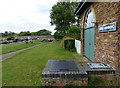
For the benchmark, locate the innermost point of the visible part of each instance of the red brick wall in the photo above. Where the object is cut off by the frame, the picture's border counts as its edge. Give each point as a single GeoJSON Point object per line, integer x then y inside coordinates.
{"type": "Point", "coordinates": [107, 44]}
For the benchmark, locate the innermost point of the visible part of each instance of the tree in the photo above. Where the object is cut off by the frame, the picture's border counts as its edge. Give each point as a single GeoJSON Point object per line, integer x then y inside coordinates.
{"type": "Point", "coordinates": [43, 32]}
{"type": "Point", "coordinates": [33, 33]}
{"type": "Point", "coordinates": [9, 35]}
{"type": "Point", "coordinates": [59, 35]}
{"type": "Point", "coordinates": [74, 32]}
{"type": "Point", "coordinates": [62, 16]}
{"type": "Point", "coordinates": [5, 34]}
{"type": "Point", "coordinates": [25, 33]}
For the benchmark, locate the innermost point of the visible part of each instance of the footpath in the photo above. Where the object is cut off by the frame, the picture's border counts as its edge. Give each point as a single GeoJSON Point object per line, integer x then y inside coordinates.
{"type": "Point", "coordinates": [5, 56]}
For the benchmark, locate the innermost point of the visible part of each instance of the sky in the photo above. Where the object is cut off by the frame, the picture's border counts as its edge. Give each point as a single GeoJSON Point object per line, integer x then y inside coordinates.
{"type": "Point", "coordinates": [25, 15]}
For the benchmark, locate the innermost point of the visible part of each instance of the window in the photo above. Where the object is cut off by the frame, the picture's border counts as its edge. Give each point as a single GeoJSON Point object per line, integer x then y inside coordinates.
{"type": "Point", "coordinates": [89, 19]}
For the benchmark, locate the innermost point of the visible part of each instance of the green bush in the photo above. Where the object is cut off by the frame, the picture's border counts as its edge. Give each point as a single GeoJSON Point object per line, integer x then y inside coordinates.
{"type": "Point", "coordinates": [74, 32]}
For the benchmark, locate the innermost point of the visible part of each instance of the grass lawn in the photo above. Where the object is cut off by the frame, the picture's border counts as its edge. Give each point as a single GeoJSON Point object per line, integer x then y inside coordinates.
{"type": "Point", "coordinates": [6, 48]}
{"type": "Point", "coordinates": [25, 68]}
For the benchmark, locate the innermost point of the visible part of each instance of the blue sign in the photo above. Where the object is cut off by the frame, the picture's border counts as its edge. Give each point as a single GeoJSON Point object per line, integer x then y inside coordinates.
{"type": "Point", "coordinates": [107, 27]}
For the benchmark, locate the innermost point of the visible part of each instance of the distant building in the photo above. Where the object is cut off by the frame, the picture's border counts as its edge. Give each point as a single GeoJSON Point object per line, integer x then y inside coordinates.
{"type": "Point", "coordinates": [2, 39]}
{"type": "Point", "coordinates": [34, 37]}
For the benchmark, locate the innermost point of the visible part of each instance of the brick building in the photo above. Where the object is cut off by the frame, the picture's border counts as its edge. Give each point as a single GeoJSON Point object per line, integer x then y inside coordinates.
{"type": "Point", "coordinates": [100, 37]}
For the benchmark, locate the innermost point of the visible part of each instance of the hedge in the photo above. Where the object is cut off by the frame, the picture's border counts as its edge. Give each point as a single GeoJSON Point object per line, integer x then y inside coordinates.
{"type": "Point", "coordinates": [69, 44]}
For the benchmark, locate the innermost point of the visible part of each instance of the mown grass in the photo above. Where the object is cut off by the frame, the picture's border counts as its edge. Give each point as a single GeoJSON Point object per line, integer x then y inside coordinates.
{"type": "Point", "coordinates": [0, 74]}
{"type": "Point", "coordinates": [25, 68]}
{"type": "Point", "coordinates": [6, 48]}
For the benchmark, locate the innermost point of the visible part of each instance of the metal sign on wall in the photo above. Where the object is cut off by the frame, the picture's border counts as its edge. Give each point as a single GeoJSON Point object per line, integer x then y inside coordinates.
{"type": "Point", "coordinates": [107, 27]}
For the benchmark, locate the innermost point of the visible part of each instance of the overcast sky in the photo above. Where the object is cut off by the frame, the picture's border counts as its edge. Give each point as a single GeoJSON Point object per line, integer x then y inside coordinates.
{"type": "Point", "coordinates": [25, 15]}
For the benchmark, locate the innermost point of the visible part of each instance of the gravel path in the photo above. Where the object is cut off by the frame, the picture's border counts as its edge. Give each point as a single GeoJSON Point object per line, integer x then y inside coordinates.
{"type": "Point", "coordinates": [5, 56]}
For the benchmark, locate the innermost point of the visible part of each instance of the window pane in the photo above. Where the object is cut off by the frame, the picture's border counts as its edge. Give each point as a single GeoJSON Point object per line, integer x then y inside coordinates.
{"type": "Point", "coordinates": [89, 19]}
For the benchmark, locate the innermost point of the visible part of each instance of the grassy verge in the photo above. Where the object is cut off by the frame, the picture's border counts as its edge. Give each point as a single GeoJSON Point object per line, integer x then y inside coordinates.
{"type": "Point", "coordinates": [0, 74]}
{"type": "Point", "coordinates": [25, 68]}
{"type": "Point", "coordinates": [6, 48]}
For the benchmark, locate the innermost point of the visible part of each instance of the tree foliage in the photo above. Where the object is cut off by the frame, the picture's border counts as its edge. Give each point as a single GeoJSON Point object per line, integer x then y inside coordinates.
{"type": "Point", "coordinates": [8, 33]}
{"type": "Point", "coordinates": [74, 32]}
{"type": "Point", "coordinates": [44, 32]}
{"type": "Point", "coordinates": [11, 35]}
{"type": "Point", "coordinates": [59, 35]}
{"type": "Point", "coordinates": [25, 33]}
{"type": "Point", "coordinates": [62, 16]}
